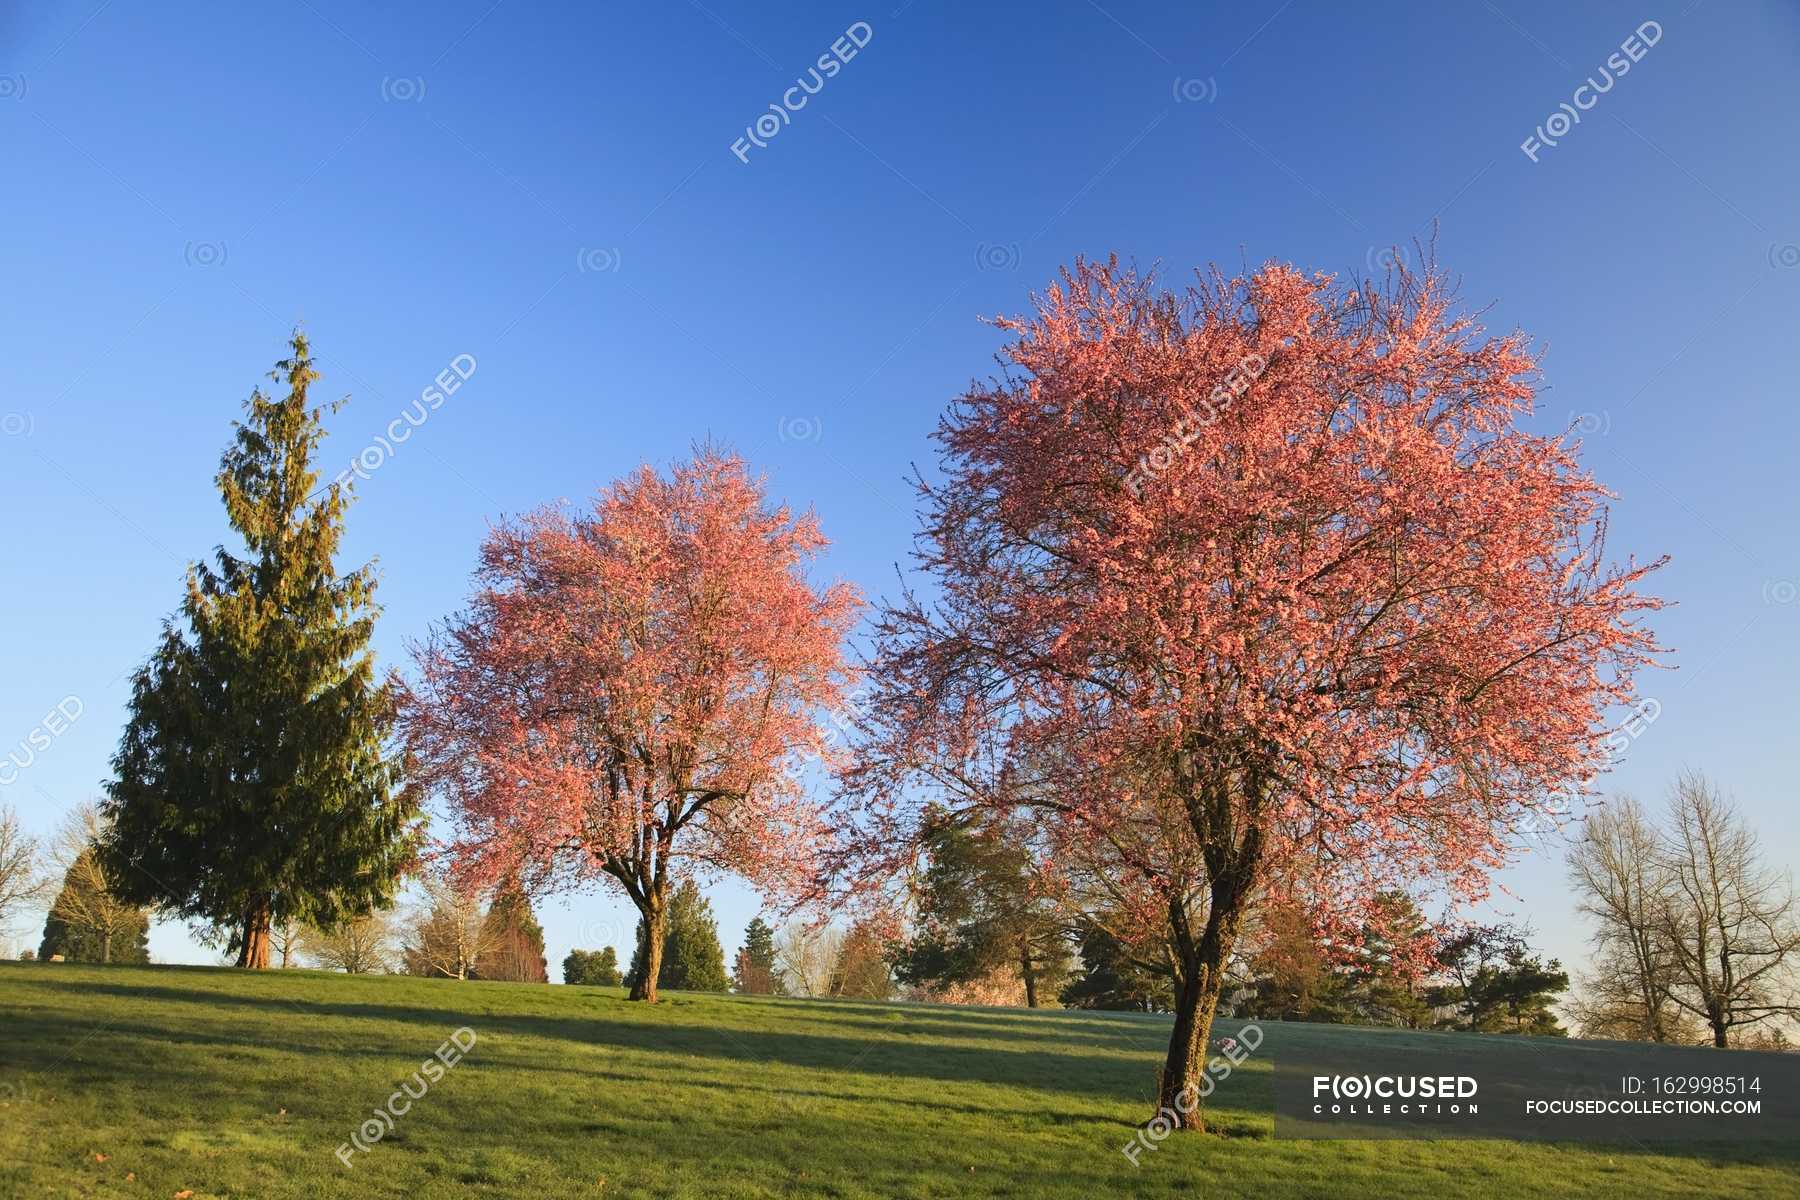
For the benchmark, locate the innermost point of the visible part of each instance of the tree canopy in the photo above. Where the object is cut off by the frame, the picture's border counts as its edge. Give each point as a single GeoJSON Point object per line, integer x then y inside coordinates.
{"type": "Point", "coordinates": [1257, 588]}
{"type": "Point", "coordinates": [594, 968]}
{"type": "Point", "coordinates": [631, 691]}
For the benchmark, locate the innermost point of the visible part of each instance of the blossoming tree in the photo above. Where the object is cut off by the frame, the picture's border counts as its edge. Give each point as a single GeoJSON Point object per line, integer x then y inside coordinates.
{"type": "Point", "coordinates": [632, 690]}
{"type": "Point", "coordinates": [1256, 591]}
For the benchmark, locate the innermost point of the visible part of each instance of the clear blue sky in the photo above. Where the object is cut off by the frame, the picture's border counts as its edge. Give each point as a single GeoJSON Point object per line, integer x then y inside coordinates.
{"type": "Point", "coordinates": [551, 188]}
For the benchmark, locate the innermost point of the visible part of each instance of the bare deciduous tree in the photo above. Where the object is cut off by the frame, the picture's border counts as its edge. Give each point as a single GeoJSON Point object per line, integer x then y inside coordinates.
{"type": "Point", "coordinates": [1693, 927]}
{"type": "Point", "coordinates": [1727, 919]}
{"type": "Point", "coordinates": [285, 940]}
{"type": "Point", "coordinates": [806, 957]}
{"type": "Point", "coordinates": [1617, 876]}
{"type": "Point", "coordinates": [23, 882]}
{"type": "Point", "coordinates": [449, 931]}
{"type": "Point", "coordinates": [360, 946]}
{"type": "Point", "coordinates": [89, 900]}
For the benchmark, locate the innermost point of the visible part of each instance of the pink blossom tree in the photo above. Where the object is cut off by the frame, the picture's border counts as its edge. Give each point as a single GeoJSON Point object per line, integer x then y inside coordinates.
{"type": "Point", "coordinates": [631, 693]}
{"type": "Point", "coordinates": [1253, 592]}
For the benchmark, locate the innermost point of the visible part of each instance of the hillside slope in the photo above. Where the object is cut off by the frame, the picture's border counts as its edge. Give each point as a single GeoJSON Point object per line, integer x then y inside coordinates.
{"type": "Point", "coordinates": [156, 1081]}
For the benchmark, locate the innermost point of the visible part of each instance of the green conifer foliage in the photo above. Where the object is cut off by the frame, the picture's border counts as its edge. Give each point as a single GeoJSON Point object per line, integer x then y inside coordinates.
{"type": "Point", "coordinates": [692, 959]}
{"type": "Point", "coordinates": [256, 780]}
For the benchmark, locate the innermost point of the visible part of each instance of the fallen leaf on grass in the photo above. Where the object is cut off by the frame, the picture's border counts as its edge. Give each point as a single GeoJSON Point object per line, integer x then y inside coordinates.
{"type": "Point", "coordinates": [99, 1157]}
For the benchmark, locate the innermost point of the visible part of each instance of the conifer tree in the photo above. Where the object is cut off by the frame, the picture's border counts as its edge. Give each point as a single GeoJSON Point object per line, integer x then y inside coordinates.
{"type": "Point", "coordinates": [513, 939]}
{"type": "Point", "coordinates": [255, 782]}
{"type": "Point", "coordinates": [692, 959]}
{"type": "Point", "coordinates": [979, 912]}
{"type": "Point", "coordinates": [1112, 978]}
{"type": "Point", "coordinates": [755, 973]}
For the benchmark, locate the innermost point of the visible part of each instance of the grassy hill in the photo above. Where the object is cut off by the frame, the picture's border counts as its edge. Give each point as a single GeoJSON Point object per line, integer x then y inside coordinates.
{"type": "Point", "coordinates": [158, 1081]}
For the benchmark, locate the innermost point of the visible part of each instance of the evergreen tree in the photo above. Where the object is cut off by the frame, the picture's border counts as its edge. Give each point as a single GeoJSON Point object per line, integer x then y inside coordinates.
{"type": "Point", "coordinates": [635, 973]}
{"type": "Point", "coordinates": [1378, 990]}
{"type": "Point", "coordinates": [254, 783]}
{"type": "Point", "coordinates": [88, 923]}
{"type": "Point", "coordinates": [1518, 996]}
{"type": "Point", "coordinates": [513, 940]}
{"type": "Point", "coordinates": [1497, 985]}
{"type": "Point", "coordinates": [755, 973]}
{"type": "Point", "coordinates": [592, 968]}
{"type": "Point", "coordinates": [1111, 979]}
{"type": "Point", "coordinates": [979, 913]}
{"type": "Point", "coordinates": [692, 959]}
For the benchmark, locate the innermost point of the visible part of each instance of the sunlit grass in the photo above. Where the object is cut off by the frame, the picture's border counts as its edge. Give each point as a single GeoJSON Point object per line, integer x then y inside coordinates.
{"type": "Point", "coordinates": [236, 1084]}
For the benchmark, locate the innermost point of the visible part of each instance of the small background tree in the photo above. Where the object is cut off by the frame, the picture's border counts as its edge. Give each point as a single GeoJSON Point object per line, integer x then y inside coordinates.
{"type": "Point", "coordinates": [449, 932]}
{"type": "Point", "coordinates": [284, 942]}
{"type": "Point", "coordinates": [754, 973]}
{"type": "Point", "coordinates": [1291, 977]}
{"type": "Point", "coordinates": [1696, 936]}
{"type": "Point", "coordinates": [90, 921]}
{"type": "Point", "coordinates": [365, 945]}
{"type": "Point", "coordinates": [862, 971]}
{"type": "Point", "coordinates": [979, 912]}
{"type": "Point", "coordinates": [1112, 977]}
{"type": "Point", "coordinates": [1496, 984]}
{"type": "Point", "coordinates": [806, 956]}
{"type": "Point", "coordinates": [513, 941]}
{"type": "Point", "coordinates": [1619, 885]}
{"type": "Point", "coordinates": [592, 968]}
{"type": "Point", "coordinates": [1726, 918]}
{"type": "Point", "coordinates": [23, 878]}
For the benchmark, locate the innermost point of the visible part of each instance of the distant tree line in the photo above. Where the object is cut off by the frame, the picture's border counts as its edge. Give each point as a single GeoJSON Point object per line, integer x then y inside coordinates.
{"type": "Point", "coordinates": [1475, 978]}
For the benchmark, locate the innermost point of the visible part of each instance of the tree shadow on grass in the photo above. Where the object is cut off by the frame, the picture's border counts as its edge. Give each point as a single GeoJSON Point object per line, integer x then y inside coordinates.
{"type": "Point", "coordinates": [670, 1032]}
{"type": "Point", "coordinates": [880, 1052]}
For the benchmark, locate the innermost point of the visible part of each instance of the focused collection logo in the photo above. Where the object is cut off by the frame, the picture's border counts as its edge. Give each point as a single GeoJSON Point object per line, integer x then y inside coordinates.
{"type": "Point", "coordinates": [1394, 1095]}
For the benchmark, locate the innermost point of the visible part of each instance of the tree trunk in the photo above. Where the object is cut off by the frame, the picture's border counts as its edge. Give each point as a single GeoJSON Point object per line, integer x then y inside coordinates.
{"type": "Point", "coordinates": [1719, 1029]}
{"type": "Point", "coordinates": [254, 953]}
{"type": "Point", "coordinates": [106, 947]}
{"type": "Point", "coordinates": [1196, 1001]}
{"type": "Point", "coordinates": [1029, 975]}
{"type": "Point", "coordinates": [644, 988]}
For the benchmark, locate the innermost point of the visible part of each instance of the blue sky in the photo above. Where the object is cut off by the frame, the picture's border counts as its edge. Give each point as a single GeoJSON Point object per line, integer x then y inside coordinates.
{"type": "Point", "coordinates": [551, 189]}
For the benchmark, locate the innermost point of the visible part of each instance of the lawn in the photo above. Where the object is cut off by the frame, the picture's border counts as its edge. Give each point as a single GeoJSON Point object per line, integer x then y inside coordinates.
{"type": "Point", "coordinates": [178, 1081]}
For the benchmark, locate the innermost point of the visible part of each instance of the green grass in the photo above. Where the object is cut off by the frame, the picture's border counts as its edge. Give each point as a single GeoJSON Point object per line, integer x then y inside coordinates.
{"type": "Point", "coordinates": [229, 1083]}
